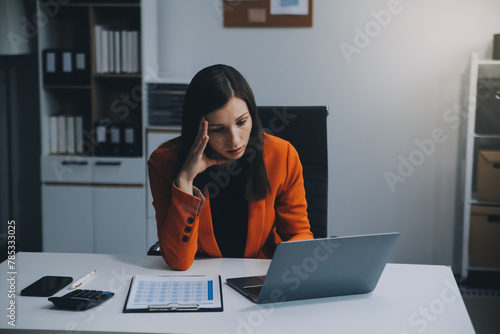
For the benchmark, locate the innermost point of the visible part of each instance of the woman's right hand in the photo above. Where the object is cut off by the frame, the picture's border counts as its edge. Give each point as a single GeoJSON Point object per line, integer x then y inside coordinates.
{"type": "Point", "coordinates": [196, 160]}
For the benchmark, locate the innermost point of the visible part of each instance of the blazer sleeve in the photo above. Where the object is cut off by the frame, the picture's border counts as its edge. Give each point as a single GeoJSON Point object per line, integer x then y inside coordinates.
{"type": "Point", "coordinates": [177, 214]}
{"type": "Point", "coordinates": [292, 222]}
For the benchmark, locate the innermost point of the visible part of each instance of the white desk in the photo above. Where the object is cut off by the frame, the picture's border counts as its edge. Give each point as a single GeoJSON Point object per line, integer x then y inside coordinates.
{"type": "Point", "coordinates": [408, 299]}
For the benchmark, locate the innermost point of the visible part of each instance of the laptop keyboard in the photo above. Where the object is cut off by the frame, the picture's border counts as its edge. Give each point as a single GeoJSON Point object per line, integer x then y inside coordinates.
{"type": "Point", "coordinates": [254, 289]}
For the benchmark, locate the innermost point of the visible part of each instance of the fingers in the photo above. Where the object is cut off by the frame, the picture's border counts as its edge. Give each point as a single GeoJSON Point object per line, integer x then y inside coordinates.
{"type": "Point", "coordinates": [202, 146]}
{"type": "Point", "coordinates": [195, 161]}
{"type": "Point", "coordinates": [202, 137]}
{"type": "Point", "coordinates": [216, 161]}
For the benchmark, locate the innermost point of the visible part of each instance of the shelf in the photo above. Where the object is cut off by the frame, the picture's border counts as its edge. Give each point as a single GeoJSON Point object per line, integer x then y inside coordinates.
{"type": "Point", "coordinates": [74, 159]}
{"type": "Point", "coordinates": [96, 4]}
{"type": "Point", "coordinates": [484, 269]}
{"type": "Point", "coordinates": [483, 86]}
{"type": "Point", "coordinates": [66, 86]}
{"type": "Point", "coordinates": [104, 180]}
{"type": "Point", "coordinates": [150, 128]}
{"type": "Point", "coordinates": [149, 80]}
{"type": "Point", "coordinates": [484, 203]}
{"type": "Point", "coordinates": [117, 76]}
{"type": "Point", "coordinates": [488, 62]}
{"type": "Point", "coordinates": [113, 99]}
{"type": "Point", "coordinates": [486, 136]}
{"type": "Point", "coordinates": [93, 3]}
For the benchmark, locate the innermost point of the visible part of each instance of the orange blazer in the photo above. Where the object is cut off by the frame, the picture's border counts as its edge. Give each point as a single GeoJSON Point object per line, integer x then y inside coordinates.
{"type": "Point", "coordinates": [184, 221]}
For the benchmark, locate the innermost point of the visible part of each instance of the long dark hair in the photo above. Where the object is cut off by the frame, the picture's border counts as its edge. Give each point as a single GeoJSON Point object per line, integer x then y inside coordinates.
{"type": "Point", "coordinates": [209, 90]}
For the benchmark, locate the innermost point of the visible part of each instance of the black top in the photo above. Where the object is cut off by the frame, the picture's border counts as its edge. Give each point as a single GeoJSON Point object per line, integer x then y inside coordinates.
{"type": "Point", "coordinates": [229, 211]}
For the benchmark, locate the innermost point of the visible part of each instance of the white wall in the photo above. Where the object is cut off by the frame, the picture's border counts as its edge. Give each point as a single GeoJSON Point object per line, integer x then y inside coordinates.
{"type": "Point", "coordinates": [408, 81]}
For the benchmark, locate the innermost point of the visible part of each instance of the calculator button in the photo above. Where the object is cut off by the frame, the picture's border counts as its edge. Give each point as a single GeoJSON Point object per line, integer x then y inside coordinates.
{"type": "Point", "coordinates": [81, 299]}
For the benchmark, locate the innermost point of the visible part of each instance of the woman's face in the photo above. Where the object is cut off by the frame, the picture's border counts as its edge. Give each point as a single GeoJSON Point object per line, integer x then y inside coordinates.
{"type": "Point", "coordinates": [229, 129]}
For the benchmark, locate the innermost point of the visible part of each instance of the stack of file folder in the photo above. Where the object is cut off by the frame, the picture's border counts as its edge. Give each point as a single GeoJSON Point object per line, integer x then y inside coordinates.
{"type": "Point", "coordinates": [67, 135]}
{"type": "Point", "coordinates": [165, 104]}
{"type": "Point", "coordinates": [65, 67]}
{"type": "Point", "coordinates": [117, 139]}
{"type": "Point", "coordinates": [116, 51]}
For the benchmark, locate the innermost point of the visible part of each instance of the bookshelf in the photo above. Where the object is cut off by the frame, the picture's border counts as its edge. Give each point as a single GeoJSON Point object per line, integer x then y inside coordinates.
{"type": "Point", "coordinates": [481, 233]}
{"type": "Point", "coordinates": [93, 180]}
{"type": "Point", "coordinates": [105, 97]}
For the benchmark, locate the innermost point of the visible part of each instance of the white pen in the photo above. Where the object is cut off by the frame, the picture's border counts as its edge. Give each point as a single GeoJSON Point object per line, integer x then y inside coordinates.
{"type": "Point", "coordinates": [77, 284]}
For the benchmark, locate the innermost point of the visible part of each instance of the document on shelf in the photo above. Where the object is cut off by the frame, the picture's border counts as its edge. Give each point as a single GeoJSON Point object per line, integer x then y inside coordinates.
{"type": "Point", "coordinates": [174, 293]}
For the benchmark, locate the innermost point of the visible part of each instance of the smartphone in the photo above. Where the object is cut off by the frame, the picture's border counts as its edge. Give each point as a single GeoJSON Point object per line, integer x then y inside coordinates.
{"type": "Point", "coordinates": [46, 286]}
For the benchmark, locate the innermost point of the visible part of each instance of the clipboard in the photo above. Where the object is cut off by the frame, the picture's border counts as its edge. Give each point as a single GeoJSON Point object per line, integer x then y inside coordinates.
{"type": "Point", "coordinates": [179, 293]}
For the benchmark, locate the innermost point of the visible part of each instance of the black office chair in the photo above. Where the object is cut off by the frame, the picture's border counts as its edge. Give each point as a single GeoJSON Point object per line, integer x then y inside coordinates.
{"type": "Point", "coordinates": [305, 128]}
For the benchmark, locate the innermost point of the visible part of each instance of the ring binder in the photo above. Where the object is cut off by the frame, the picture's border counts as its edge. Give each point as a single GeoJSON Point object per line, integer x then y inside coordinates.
{"type": "Point", "coordinates": [174, 307]}
{"type": "Point", "coordinates": [51, 66]}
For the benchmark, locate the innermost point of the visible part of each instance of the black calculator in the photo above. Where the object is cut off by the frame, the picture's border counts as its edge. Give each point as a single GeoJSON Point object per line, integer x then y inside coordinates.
{"type": "Point", "coordinates": [81, 299]}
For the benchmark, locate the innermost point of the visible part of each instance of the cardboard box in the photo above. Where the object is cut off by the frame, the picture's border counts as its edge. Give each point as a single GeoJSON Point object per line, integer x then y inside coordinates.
{"type": "Point", "coordinates": [484, 240]}
{"type": "Point", "coordinates": [488, 176]}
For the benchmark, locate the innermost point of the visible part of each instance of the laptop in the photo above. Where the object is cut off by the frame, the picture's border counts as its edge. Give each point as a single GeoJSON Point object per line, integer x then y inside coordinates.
{"type": "Point", "coordinates": [322, 267]}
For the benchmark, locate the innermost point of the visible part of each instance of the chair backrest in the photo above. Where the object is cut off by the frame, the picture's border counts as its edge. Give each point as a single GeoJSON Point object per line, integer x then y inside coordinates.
{"type": "Point", "coordinates": [305, 128]}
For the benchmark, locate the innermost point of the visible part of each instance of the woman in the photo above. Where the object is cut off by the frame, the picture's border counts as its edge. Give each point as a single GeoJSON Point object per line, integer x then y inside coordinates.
{"type": "Point", "coordinates": [224, 188]}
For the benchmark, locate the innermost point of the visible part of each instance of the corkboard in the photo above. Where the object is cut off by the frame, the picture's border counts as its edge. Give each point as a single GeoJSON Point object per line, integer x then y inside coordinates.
{"type": "Point", "coordinates": [254, 14]}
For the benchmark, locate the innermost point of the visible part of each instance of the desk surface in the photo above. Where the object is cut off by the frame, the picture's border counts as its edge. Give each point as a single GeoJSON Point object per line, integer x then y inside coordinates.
{"type": "Point", "coordinates": [408, 299]}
